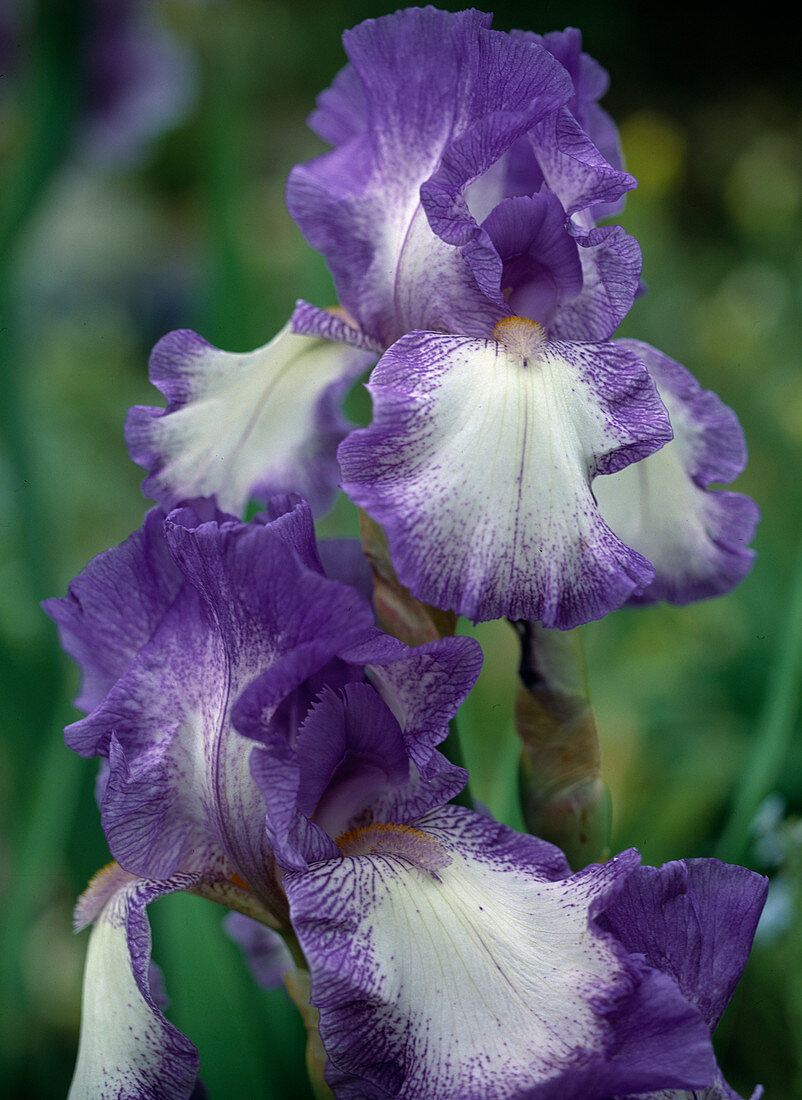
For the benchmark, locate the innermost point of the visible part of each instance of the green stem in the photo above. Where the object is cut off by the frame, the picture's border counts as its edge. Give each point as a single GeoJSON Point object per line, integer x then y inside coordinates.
{"type": "Point", "coordinates": [299, 987]}
{"type": "Point", "coordinates": [775, 729]}
{"type": "Point", "coordinates": [563, 798]}
{"type": "Point", "coordinates": [53, 100]}
{"type": "Point", "coordinates": [217, 1004]}
{"type": "Point", "coordinates": [232, 319]}
{"type": "Point", "coordinates": [52, 97]}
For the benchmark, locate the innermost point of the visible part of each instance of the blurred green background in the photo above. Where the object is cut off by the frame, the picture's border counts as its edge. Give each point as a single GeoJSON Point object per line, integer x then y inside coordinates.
{"type": "Point", "coordinates": [102, 253]}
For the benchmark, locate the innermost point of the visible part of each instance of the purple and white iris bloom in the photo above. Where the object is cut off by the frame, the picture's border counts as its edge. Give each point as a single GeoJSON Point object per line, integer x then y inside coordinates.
{"type": "Point", "coordinates": [169, 629]}
{"type": "Point", "coordinates": [457, 213]}
{"type": "Point", "coordinates": [455, 959]}
{"type": "Point", "coordinates": [269, 748]}
{"type": "Point", "coordinates": [467, 238]}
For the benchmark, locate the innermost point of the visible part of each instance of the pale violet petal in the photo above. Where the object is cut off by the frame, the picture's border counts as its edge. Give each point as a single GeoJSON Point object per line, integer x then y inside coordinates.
{"type": "Point", "coordinates": [572, 165]}
{"type": "Point", "coordinates": [478, 465]}
{"type": "Point", "coordinates": [246, 425]}
{"type": "Point", "coordinates": [436, 288]}
{"type": "Point", "coordinates": [265, 951]}
{"type": "Point", "coordinates": [695, 537]}
{"type": "Point", "coordinates": [127, 1048]}
{"type": "Point", "coordinates": [611, 266]}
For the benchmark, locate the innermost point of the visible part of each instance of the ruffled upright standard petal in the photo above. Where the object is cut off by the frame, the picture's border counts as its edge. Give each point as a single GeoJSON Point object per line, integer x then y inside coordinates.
{"type": "Point", "coordinates": [478, 465]}
{"type": "Point", "coordinates": [573, 167]}
{"type": "Point", "coordinates": [453, 959]}
{"type": "Point", "coordinates": [510, 193]}
{"type": "Point", "coordinates": [578, 283]}
{"type": "Point", "coordinates": [113, 607]}
{"type": "Point", "coordinates": [424, 686]}
{"type": "Point", "coordinates": [361, 739]}
{"type": "Point", "coordinates": [180, 796]}
{"type": "Point", "coordinates": [351, 762]}
{"type": "Point", "coordinates": [575, 151]}
{"type": "Point", "coordinates": [590, 82]}
{"type": "Point", "coordinates": [696, 537]}
{"type": "Point", "coordinates": [541, 265]}
{"type": "Point", "coordinates": [127, 1048]}
{"type": "Point", "coordinates": [611, 266]}
{"type": "Point", "coordinates": [436, 94]}
{"type": "Point", "coordinates": [242, 426]}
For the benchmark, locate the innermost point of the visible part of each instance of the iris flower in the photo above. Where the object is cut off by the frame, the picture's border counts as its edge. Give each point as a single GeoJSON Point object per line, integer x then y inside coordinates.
{"type": "Point", "coordinates": [266, 746]}
{"type": "Point", "coordinates": [521, 462]}
{"type": "Point", "coordinates": [269, 748]}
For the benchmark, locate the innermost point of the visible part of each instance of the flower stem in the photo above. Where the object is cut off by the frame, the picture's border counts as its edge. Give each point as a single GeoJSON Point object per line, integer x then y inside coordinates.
{"type": "Point", "coordinates": [298, 986]}
{"type": "Point", "coordinates": [397, 610]}
{"type": "Point", "coordinates": [563, 798]}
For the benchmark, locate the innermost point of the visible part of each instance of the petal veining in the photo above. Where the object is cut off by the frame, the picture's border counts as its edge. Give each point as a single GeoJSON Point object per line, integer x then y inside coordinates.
{"type": "Point", "coordinates": [248, 425]}
{"type": "Point", "coordinates": [435, 93]}
{"type": "Point", "coordinates": [696, 537]}
{"type": "Point", "coordinates": [478, 465]}
{"type": "Point", "coordinates": [446, 967]}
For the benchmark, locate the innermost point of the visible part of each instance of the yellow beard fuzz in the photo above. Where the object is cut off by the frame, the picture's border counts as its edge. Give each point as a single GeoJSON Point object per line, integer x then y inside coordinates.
{"type": "Point", "coordinates": [403, 841]}
{"type": "Point", "coordinates": [520, 336]}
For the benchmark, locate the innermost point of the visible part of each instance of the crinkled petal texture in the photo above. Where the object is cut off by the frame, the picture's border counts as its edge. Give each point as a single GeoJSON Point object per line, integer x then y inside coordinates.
{"type": "Point", "coordinates": [342, 749]}
{"type": "Point", "coordinates": [429, 92]}
{"type": "Point", "coordinates": [354, 762]}
{"type": "Point", "coordinates": [667, 912]}
{"type": "Point", "coordinates": [180, 796]}
{"type": "Point", "coordinates": [555, 161]}
{"type": "Point", "coordinates": [478, 465]}
{"type": "Point", "coordinates": [331, 324]}
{"type": "Point", "coordinates": [590, 82]}
{"type": "Point", "coordinates": [578, 282]}
{"type": "Point", "coordinates": [611, 265]}
{"type": "Point", "coordinates": [695, 920]}
{"type": "Point", "coordinates": [452, 959]}
{"type": "Point", "coordinates": [127, 1048]}
{"type": "Point", "coordinates": [113, 607]}
{"type": "Point", "coordinates": [245, 426]}
{"type": "Point", "coordinates": [695, 537]}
